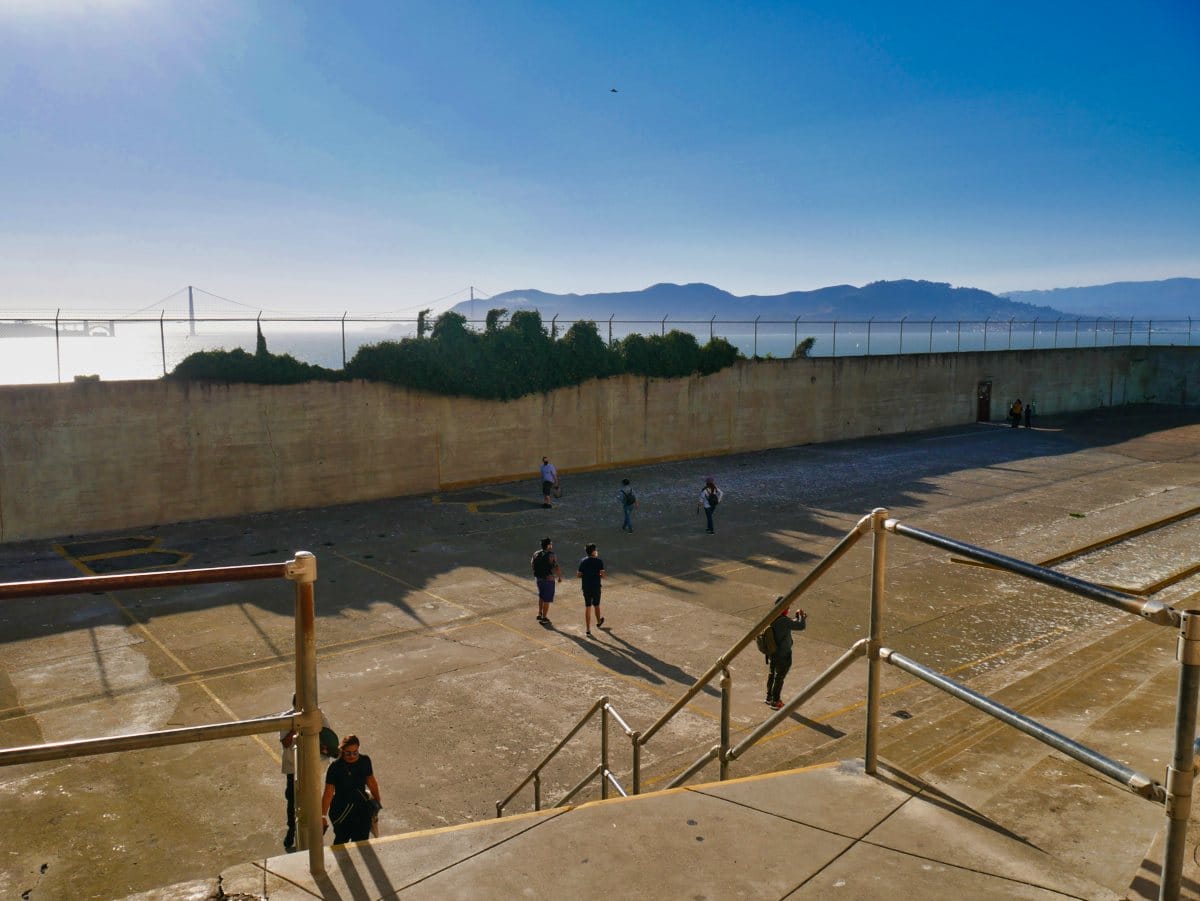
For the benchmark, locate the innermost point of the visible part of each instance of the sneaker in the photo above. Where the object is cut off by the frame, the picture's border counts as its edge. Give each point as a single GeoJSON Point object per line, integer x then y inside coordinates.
{"type": "Point", "coordinates": [600, 622]}
{"type": "Point", "coordinates": [776, 705]}
{"type": "Point", "coordinates": [540, 618]}
{"type": "Point", "coordinates": [589, 633]}
{"type": "Point", "coordinates": [545, 620]}
{"type": "Point", "coordinates": [547, 506]}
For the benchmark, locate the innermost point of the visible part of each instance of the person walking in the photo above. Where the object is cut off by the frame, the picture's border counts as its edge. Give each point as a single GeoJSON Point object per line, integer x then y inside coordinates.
{"type": "Point", "coordinates": [1029, 415]}
{"type": "Point", "coordinates": [346, 803]}
{"type": "Point", "coordinates": [1014, 413]}
{"type": "Point", "coordinates": [590, 572]}
{"type": "Point", "coordinates": [780, 661]}
{"type": "Point", "coordinates": [287, 761]}
{"type": "Point", "coordinates": [709, 498]}
{"type": "Point", "coordinates": [550, 483]}
{"type": "Point", "coordinates": [628, 502]}
{"type": "Point", "coordinates": [546, 573]}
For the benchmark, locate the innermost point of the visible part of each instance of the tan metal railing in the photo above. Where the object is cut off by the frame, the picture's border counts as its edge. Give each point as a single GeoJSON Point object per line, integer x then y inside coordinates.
{"type": "Point", "coordinates": [1174, 793]}
{"type": "Point", "coordinates": [301, 570]}
{"type": "Point", "coordinates": [601, 769]}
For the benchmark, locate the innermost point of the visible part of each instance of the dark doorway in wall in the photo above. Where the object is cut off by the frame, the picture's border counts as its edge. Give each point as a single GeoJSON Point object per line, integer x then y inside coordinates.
{"type": "Point", "coordinates": [983, 402]}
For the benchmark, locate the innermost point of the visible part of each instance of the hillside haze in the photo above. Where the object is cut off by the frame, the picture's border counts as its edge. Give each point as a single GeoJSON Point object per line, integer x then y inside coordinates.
{"type": "Point", "coordinates": [1172, 298]}
{"type": "Point", "coordinates": [886, 300]}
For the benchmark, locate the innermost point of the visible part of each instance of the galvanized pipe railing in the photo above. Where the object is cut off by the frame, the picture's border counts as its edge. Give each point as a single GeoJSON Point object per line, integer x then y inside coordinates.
{"type": "Point", "coordinates": [839, 550]}
{"type": "Point", "coordinates": [602, 770]}
{"type": "Point", "coordinates": [1130, 778]}
{"type": "Point", "coordinates": [302, 570]}
{"type": "Point", "coordinates": [1153, 611]}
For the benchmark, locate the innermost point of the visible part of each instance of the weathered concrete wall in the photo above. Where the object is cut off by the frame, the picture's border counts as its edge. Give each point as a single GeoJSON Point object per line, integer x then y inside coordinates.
{"type": "Point", "coordinates": [92, 457]}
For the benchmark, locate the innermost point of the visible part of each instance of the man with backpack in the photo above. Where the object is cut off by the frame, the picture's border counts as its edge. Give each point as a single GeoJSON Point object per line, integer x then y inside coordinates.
{"type": "Point", "coordinates": [546, 573]}
{"type": "Point", "coordinates": [628, 501]}
{"type": "Point", "coordinates": [776, 644]}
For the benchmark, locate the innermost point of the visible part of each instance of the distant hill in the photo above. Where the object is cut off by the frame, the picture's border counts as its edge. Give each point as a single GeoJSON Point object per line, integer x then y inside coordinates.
{"type": "Point", "coordinates": [1172, 298]}
{"type": "Point", "coordinates": [887, 300]}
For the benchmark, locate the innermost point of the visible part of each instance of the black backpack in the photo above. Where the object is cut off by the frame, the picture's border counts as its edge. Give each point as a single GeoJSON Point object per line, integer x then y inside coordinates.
{"type": "Point", "coordinates": [542, 567]}
{"type": "Point", "coordinates": [630, 497]}
{"type": "Point", "coordinates": [713, 498]}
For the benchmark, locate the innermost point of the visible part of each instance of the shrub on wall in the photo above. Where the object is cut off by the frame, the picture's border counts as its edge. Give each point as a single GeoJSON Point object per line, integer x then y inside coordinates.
{"type": "Point", "coordinates": [504, 361]}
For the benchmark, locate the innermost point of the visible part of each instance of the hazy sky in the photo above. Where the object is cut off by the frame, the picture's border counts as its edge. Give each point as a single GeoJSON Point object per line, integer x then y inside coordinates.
{"type": "Point", "coordinates": [318, 156]}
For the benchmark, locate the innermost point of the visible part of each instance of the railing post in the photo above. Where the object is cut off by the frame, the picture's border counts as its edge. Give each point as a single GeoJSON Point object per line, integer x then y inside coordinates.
{"type": "Point", "coordinates": [1181, 774]}
{"type": "Point", "coordinates": [931, 334]}
{"type": "Point", "coordinates": [636, 739]}
{"type": "Point", "coordinates": [985, 331]}
{"type": "Point", "coordinates": [303, 571]}
{"type": "Point", "coordinates": [726, 704]}
{"type": "Point", "coordinates": [604, 750]}
{"type": "Point", "coordinates": [901, 349]}
{"type": "Point", "coordinates": [869, 321]}
{"type": "Point", "coordinates": [958, 341]}
{"type": "Point", "coordinates": [57, 349]}
{"type": "Point", "coordinates": [162, 339]}
{"type": "Point", "coordinates": [835, 322]}
{"type": "Point", "coordinates": [345, 313]}
{"type": "Point", "coordinates": [875, 636]}
{"type": "Point", "coordinates": [756, 318]}
{"type": "Point", "coordinates": [610, 319]}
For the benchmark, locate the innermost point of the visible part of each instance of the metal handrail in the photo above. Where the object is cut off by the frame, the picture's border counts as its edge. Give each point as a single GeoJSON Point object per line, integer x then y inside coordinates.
{"type": "Point", "coordinates": [1174, 793]}
{"type": "Point", "coordinates": [306, 717]}
{"type": "Point", "coordinates": [601, 706]}
{"type": "Point", "coordinates": [1137, 782]}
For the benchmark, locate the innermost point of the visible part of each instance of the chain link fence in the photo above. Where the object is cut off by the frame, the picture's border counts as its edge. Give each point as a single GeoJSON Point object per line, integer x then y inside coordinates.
{"type": "Point", "coordinates": [64, 348]}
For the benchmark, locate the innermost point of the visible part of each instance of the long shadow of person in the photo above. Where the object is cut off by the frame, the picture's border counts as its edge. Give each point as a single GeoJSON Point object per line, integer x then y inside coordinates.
{"type": "Point", "coordinates": [653, 664]}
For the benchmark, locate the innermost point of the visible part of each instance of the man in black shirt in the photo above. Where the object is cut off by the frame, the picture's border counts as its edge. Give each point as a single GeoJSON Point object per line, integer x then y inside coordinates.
{"type": "Point", "coordinates": [591, 572]}
{"type": "Point", "coordinates": [781, 660]}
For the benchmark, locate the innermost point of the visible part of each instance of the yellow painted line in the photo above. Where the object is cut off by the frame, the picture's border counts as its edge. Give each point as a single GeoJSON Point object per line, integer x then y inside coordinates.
{"type": "Point", "coordinates": [398, 580]}
{"type": "Point", "coordinates": [335, 649]}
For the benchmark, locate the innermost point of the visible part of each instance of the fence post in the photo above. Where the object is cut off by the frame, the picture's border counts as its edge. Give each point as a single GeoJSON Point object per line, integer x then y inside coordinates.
{"type": "Point", "coordinates": [344, 314]}
{"type": "Point", "coordinates": [303, 571]}
{"type": "Point", "coordinates": [604, 749]}
{"type": "Point", "coordinates": [1056, 324]}
{"type": "Point", "coordinates": [610, 319]}
{"type": "Point", "coordinates": [1181, 773]}
{"type": "Point", "coordinates": [1149, 329]}
{"type": "Point", "coordinates": [636, 739]}
{"type": "Point", "coordinates": [162, 339]}
{"type": "Point", "coordinates": [931, 334]}
{"type": "Point", "coordinates": [1035, 325]}
{"type": "Point", "coordinates": [726, 704]}
{"type": "Point", "coordinates": [985, 331]}
{"type": "Point", "coordinates": [795, 334]}
{"type": "Point", "coordinates": [57, 350]}
{"type": "Point", "coordinates": [710, 327]}
{"type": "Point", "coordinates": [958, 341]}
{"type": "Point", "coordinates": [875, 636]}
{"type": "Point", "coordinates": [869, 321]}
{"type": "Point", "coordinates": [835, 337]}
{"type": "Point", "coordinates": [1010, 322]}
{"type": "Point", "coordinates": [756, 318]}
{"type": "Point", "coordinates": [902, 318]}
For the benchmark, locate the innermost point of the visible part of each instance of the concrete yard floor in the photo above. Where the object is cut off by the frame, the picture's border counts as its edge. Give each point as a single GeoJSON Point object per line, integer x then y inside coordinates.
{"type": "Point", "coordinates": [429, 651]}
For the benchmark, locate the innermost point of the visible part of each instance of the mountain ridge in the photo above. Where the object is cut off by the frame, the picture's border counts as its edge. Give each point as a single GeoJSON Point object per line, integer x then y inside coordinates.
{"type": "Point", "coordinates": [884, 300]}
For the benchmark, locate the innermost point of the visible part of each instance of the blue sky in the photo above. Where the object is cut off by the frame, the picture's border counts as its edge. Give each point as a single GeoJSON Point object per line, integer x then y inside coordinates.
{"type": "Point", "coordinates": [383, 156]}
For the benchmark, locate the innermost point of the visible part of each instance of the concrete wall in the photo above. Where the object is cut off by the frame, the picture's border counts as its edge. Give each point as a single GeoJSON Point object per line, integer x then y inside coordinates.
{"type": "Point", "coordinates": [90, 457]}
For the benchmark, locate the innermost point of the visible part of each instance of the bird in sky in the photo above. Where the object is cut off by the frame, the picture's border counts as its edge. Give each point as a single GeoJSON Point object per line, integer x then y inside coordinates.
{"type": "Point", "coordinates": [613, 90]}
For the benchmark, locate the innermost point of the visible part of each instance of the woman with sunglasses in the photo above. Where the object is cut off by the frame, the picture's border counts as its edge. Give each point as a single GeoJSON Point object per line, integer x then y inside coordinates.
{"type": "Point", "coordinates": [346, 803]}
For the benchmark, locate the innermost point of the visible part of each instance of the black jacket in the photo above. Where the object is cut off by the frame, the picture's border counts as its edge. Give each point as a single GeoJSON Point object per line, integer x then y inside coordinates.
{"type": "Point", "coordinates": [782, 629]}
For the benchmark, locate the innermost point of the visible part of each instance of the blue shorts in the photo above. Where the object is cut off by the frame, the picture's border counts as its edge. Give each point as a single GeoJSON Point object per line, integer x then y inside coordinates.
{"type": "Point", "coordinates": [546, 590]}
